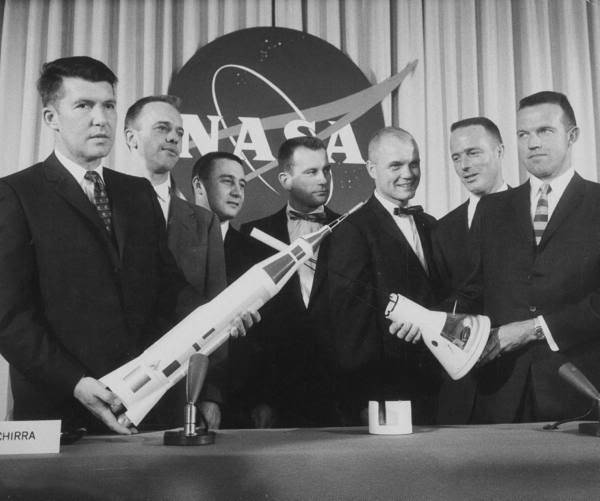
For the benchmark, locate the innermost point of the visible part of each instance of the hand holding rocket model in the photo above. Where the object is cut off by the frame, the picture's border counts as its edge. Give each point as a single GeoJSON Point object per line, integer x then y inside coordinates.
{"type": "Point", "coordinates": [141, 383]}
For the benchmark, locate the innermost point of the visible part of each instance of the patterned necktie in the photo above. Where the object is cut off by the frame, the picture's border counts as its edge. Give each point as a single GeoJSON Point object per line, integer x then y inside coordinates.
{"type": "Point", "coordinates": [408, 211]}
{"type": "Point", "coordinates": [540, 218]}
{"type": "Point", "coordinates": [100, 199]}
{"type": "Point", "coordinates": [313, 217]}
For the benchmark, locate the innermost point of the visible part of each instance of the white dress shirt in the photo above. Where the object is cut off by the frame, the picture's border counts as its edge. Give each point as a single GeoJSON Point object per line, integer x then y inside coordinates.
{"type": "Point", "coordinates": [224, 229]}
{"type": "Point", "coordinates": [407, 226]}
{"type": "Point", "coordinates": [297, 228]}
{"type": "Point", "coordinates": [163, 193]}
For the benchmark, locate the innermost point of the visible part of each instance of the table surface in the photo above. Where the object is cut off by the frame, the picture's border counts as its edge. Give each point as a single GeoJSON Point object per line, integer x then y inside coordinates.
{"type": "Point", "coordinates": [452, 462]}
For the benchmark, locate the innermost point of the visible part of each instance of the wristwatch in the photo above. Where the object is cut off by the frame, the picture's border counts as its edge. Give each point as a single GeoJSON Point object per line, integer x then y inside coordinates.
{"type": "Point", "coordinates": [539, 330]}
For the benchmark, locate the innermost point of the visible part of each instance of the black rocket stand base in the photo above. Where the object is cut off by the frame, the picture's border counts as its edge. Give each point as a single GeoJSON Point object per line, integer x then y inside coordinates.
{"type": "Point", "coordinates": [179, 437]}
{"type": "Point", "coordinates": [192, 434]}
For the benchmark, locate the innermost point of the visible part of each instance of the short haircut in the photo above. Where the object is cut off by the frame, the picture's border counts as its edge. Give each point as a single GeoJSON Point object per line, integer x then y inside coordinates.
{"type": "Point", "coordinates": [136, 108]}
{"type": "Point", "coordinates": [397, 132]}
{"type": "Point", "coordinates": [203, 166]}
{"type": "Point", "coordinates": [486, 123]}
{"type": "Point", "coordinates": [551, 97]}
{"type": "Point", "coordinates": [287, 149]}
{"type": "Point", "coordinates": [84, 67]}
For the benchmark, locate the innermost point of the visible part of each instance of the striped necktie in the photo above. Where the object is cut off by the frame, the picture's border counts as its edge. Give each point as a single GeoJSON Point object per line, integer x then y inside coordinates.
{"type": "Point", "coordinates": [540, 218]}
{"type": "Point", "coordinates": [100, 199]}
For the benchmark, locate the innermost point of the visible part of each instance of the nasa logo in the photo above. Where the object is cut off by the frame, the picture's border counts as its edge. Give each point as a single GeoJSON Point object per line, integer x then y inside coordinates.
{"type": "Point", "coordinates": [248, 91]}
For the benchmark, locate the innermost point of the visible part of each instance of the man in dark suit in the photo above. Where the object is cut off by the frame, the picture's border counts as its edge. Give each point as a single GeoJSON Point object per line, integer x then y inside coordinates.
{"type": "Point", "coordinates": [85, 271]}
{"type": "Point", "coordinates": [537, 262]}
{"type": "Point", "coordinates": [153, 132]}
{"type": "Point", "coordinates": [295, 387]}
{"type": "Point", "coordinates": [383, 247]}
{"type": "Point", "coordinates": [477, 151]}
{"type": "Point", "coordinates": [83, 263]}
{"type": "Point", "coordinates": [219, 185]}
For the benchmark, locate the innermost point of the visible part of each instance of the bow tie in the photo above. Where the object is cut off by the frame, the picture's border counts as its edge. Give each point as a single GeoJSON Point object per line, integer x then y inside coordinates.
{"type": "Point", "coordinates": [313, 217]}
{"type": "Point", "coordinates": [408, 211]}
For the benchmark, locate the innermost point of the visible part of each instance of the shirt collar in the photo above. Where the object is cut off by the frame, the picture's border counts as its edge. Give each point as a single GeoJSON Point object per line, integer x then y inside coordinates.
{"type": "Point", "coordinates": [224, 229]}
{"type": "Point", "coordinates": [474, 199]}
{"type": "Point", "coordinates": [76, 170]}
{"type": "Point", "coordinates": [558, 184]}
{"type": "Point", "coordinates": [387, 205]}
{"type": "Point", "coordinates": [163, 190]}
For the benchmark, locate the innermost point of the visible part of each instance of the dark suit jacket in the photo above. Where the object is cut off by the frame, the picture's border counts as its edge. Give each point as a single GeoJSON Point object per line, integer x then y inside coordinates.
{"type": "Point", "coordinates": [369, 258]}
{"type": "Point", "coordinates": [73, 301]}
{"type": "Point", "coordinates": [515, 280]}
{"type": "Point", "coordinates": [450, 242]}
{"type": "Point", "coordinates": [194, 238]}
{"type": "Point", "coordinates": [241, 253]}
{"type": "Point", "coordinates": [294, 377]}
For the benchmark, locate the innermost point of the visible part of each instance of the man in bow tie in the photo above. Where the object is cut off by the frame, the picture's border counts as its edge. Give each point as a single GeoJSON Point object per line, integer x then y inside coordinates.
{"type": "Point", "coordinates": [294, 387]}
{"type": "Point", "coordinates": [383, 247]}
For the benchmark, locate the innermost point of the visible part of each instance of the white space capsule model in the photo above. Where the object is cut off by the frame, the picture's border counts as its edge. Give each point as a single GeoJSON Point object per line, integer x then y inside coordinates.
{"type": "Point", "coordinates": [144, 380]}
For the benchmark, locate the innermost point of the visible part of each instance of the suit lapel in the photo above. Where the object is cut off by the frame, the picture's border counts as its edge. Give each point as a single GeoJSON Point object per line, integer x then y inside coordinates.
{"type": "Point", "coordinates": [521, 205]}
{"type": "Point", "coordinates": [66, 187]}
{"type": "Point", "coordinates": [320, 275]}
{"type": "Point", "coordinates": [569, 201]}
{"type": "Point", "coordinates": [389, 226]}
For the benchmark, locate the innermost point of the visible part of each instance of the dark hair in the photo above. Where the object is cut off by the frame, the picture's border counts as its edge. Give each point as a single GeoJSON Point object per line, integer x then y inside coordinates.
{"type": "Point", "coordinates": [136, 108]}
{"type": "Point", "coordinates": [86, 68]}
{"type": "Point", "coordinates": [485, 122]}
{"type": "Point", "coordinates": [551, 97]}
{"type": "Point", "coordinates": [204, 164]}
{"type": "Point", "coordinates": [287, 149]}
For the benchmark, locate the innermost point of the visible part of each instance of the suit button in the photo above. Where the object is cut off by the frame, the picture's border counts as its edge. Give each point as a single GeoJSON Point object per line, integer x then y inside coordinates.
{"type": "Point", "coordinates": [532, 309]}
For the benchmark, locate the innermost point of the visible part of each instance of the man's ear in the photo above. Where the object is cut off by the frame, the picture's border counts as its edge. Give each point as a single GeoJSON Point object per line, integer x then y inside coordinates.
{"type": "Point", "coordinates": [200, 195]}
{"type": "Point", "coordinates": [50, 117]}
{"type": "Point", "coordinates": [371, 169]}
{"type": "Point", "coordinates": [285, 179]}
{"type": "Point", "coordinates": [500, 150]}
{"type": "Point", "coordinates": [131, 139]}
{"type": "Point", "coordinates": [573, 135]}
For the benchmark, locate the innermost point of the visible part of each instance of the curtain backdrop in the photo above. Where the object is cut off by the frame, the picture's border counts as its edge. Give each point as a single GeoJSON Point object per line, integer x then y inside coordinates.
{"type": "Point", "coordinates": [476, 57]}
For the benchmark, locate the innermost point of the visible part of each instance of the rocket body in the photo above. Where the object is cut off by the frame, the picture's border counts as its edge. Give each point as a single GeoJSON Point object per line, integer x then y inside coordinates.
{"type": "Point", "coordinates": [143, 381]}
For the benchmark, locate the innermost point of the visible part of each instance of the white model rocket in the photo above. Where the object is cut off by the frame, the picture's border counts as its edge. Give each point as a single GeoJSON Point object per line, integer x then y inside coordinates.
{"type": "Point", "coordinates": [143, 381]}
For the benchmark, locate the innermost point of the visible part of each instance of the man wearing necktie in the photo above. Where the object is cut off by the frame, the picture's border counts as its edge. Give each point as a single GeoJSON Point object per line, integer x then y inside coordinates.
{"type": "Point", "coordinates": [153, 133]}
{"type": "Point", "coordinates": [383, 247]}
{"type": "Point", "coordinates": [294, 384]}
{"type": "Point", "coordinates": [537, 275]}
{"type": "Point", "coordinates": [477, 151]}
{"type": "Point", "coordinates": [84, 267]}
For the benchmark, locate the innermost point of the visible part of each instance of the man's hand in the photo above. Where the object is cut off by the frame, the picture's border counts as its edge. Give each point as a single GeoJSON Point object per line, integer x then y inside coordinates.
{"type": "Point", "coordinates": [243, 322]}
{"type": "Point", "coordinates": [212, 414]}
{"type": "Point", "coordinates": [407, 331]}
{"type": "Point", "coordinates": [101, 402]}
{"type": "Point", "coordinates": [507, 338]}
{"type": "Point", "coordinates": [263, 416]}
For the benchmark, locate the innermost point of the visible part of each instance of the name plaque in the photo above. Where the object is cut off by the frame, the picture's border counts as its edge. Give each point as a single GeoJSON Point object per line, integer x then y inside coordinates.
{"type": "Point", "coordinates": [29, 437]}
